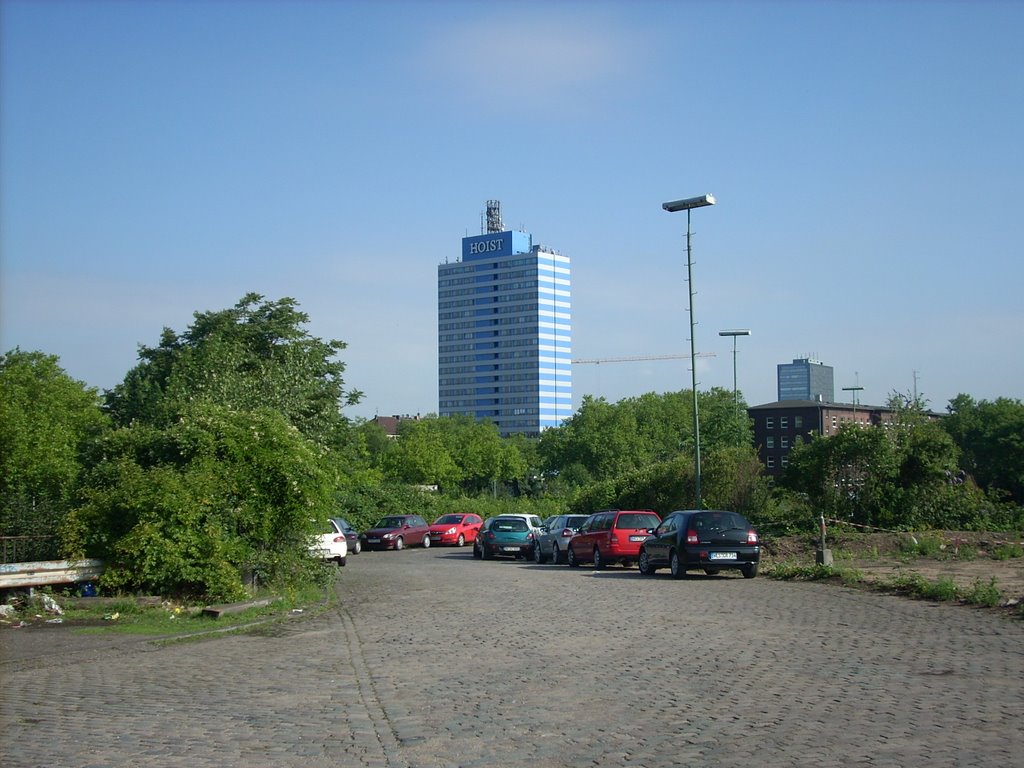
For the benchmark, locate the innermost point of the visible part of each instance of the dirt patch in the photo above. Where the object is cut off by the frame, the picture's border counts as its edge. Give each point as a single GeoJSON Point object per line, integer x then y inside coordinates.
{"type": "Point", "coordinates": [965, 557]}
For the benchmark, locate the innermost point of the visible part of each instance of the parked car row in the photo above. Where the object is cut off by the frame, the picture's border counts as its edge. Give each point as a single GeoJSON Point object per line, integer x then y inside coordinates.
{"type": "Point", "coordinates": [685, 540]}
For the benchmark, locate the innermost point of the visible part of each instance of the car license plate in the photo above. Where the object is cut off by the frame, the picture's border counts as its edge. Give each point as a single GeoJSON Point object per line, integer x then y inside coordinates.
{"type": "Point", "coordinates": [373, 541]}
{"type": "Point", "coordinates": [722, 556]}
{"type": "Point", "coordinates": [435, 535]}
{"type": "Point", "coordinates": [510, 549]}
{"type": "Point", "coordinates": [637, 538]}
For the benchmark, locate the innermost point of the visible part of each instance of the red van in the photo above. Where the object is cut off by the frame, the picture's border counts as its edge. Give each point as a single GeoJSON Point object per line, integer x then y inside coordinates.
{"type": "Point", "coordinates": [611, 536]}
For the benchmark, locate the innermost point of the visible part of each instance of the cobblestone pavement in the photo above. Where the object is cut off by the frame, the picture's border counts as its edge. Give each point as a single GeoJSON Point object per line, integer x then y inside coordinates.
{"type": "Point", "coordinates": [434, 659]}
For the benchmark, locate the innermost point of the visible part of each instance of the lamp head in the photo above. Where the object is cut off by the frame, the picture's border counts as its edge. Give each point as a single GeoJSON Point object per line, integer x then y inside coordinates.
{"type": "Point", "coordinates": [688, 203]}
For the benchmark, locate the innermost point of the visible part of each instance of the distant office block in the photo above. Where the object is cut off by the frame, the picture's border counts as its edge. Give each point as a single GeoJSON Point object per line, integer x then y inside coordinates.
{"type": "Point", "coordinates": [504, 329]}
{"type": "Point", "coordinates": [806, 379]}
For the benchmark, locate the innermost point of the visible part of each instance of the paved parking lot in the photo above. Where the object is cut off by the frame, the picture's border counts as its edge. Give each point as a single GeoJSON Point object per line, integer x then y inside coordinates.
{"type": "Point", "coordinates": [434, 659]}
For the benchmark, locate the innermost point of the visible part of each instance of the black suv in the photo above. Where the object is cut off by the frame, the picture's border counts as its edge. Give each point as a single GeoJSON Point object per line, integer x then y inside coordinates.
{"type": "Point", "coordinates": [709, 540]}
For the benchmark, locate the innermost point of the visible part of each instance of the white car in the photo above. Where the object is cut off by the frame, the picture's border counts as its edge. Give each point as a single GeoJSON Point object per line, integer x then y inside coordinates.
{"type": "Point", "coordinates": [332, 544]}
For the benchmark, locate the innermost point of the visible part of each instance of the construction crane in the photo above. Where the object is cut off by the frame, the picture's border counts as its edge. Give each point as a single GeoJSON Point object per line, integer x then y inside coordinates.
{"type": "Point", "coordinates": [598, 361]}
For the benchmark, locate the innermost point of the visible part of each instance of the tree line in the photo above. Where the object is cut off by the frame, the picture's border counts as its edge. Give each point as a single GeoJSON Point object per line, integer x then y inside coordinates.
{"type": "Point", "coordinates": [226, 447]}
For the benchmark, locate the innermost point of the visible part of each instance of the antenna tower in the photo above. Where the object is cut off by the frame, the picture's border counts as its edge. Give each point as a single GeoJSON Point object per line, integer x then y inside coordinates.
{"type": "Point", "coordinates": [493, 222]}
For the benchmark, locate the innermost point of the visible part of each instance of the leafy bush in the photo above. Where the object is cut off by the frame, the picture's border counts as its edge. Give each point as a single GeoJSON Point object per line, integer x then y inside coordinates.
{"type": "Point", "coordinates": [189, 509]}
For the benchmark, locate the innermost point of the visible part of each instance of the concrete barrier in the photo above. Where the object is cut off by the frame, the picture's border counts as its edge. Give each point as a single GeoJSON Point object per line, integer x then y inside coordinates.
{"type": "Point", "coordinates": [39, 574]}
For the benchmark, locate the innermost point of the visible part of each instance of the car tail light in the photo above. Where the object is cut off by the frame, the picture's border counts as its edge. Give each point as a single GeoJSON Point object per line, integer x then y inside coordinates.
{"type": "Point", "coordinates": [691, 537]}
{"type": "Point", "coordinates": [751, 537]}
{"type": "Point", "coordinates": [613, 539]}
{"type": "Point", "coordinates": [566, 533]}
{"type": "Point", "coordinates": [490, 535]}
{"type": "Point", "coordinates": [529, 536]}
{"type": "Point", "coordinates": [338, 538]}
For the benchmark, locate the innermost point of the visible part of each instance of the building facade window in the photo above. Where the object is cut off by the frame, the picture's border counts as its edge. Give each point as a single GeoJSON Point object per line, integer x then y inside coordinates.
{"type": "Point", "coordinates": [769, 422]}
{"type": "Point", "coordinates": [769, 441]}
{"type": "Point", "coordinates": [783, 422]}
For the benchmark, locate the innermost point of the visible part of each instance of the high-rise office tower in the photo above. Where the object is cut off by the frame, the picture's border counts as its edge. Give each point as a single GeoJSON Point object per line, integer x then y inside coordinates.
{"type": "Point", "coordinates": [504, 331]}
{"type": "Point", "coordinates": [806, 379]}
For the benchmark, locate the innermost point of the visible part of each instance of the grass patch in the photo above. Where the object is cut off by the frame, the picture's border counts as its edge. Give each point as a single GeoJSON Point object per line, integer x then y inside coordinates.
{"type": "Point", "coordinates": [1007, 551]}
{"type": "Point", "coordinates": [985, 594]}
{"type": "Point", "coordinates": [793, 571]}
{"type": "Point", "coordinates": [147, 616]}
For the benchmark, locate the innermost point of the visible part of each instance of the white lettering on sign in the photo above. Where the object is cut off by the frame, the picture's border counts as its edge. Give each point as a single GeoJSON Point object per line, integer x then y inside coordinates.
{"type": "Point", "coordinates": [485, 246]}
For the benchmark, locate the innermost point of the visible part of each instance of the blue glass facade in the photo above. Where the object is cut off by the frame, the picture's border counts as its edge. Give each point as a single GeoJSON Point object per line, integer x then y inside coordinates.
{"type": "Point", "coordinates": [505, 334]}
{"type": "Point", "coordinates": [806, 379]}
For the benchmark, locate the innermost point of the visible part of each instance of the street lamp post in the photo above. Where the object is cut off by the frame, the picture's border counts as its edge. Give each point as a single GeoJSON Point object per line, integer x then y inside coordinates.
{"type": "Point", "coordinates": [735, 390]}
{"type": "Point", "coordinates": [854, 390]}
{"type": "Point", "coordinates": [688, 205]}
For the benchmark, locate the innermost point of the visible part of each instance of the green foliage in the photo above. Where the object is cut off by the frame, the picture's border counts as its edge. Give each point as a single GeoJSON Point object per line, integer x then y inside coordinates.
{"type": "Point", "coordinates": [730, 479]}
{"type": "Point", "coordinates": [990, 435]}
{"type": "Point", "coordinates": [255, 355]}
{"type": "Point", "coordinates": [605, 440]}
{"type": "Point", "coordinates": [47, 423]}
{"type": "Point", "coordinates": [1007, 552]}
{"type": "Point", "coordinates": [455, 453]}
{"type": "Point", "coordinates": [192, 508]}
{"type": "Point", "coordinates": [894, 476]}
{"type": "Point", "coordinates": [984, 593]}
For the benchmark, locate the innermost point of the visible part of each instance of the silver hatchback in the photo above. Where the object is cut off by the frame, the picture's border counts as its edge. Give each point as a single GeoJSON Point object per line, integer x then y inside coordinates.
{"type": "Point", "coordinates": [552, 541]}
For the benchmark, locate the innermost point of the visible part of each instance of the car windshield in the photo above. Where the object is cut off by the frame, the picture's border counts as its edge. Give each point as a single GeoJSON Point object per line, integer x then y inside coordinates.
{"type": "Point", "coordinates": [448, 519]}
{"type": "Point", "coordinates": [514, 524]}
{"type": "Point", "coordinates": [575, 522]}
{"type": "Point", "coordinates": [391, 522]}
{"type": "Point", "coordinates": [638, 520]}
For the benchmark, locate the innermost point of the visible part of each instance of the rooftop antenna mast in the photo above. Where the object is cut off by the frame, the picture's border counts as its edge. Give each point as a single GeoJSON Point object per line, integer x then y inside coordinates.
{"type": "Point", "coordinates": [493, 222]}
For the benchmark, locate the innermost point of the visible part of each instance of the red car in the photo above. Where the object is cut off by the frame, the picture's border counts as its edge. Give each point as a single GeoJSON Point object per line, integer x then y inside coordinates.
{"type": "Point", "coordinates": [397, 532]}
{"type": "Point", "coordinates": [614, 535]}
{"type": "Point", "coordinates": [455, 529]}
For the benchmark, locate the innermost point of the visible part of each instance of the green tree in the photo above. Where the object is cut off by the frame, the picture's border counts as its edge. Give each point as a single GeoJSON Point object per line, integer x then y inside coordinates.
{"type": "Point", "coordinates": [254, 355]}
{"type": "Point", "coordinates": [47, 423]}
{"type": "Point", "coordinates": [990, 434]}
{"type": "Point", "coordinates": [456, 453]}
{"type": "Point", "coordinates": [604, 440]}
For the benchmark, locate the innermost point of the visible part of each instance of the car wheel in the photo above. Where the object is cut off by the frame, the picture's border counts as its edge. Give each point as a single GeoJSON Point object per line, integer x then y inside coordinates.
{"type": "Point", "coordinates": [426, 542]}
{"type": "Point", "coordinates": [644, 563]}
{"type": "Point", "coordinates": [485, 554]}
{"type": "Point", "coordinates": [357, 549]}
{"type": "Point", "coordinates": [571, 555]}
{"type": "Point", "coordinates": [598, 560]}
{"type": "Point", "coordinates": [341, 562]}
{"type": "Point", "coordinates": [538, 556]}
{"type": "Point", "coordinates": [556, 556]}
{"type": "Point", "coordinates": [399, 543]}
{"type": "Point", "coordinates": [750, 571]}
{"type": "Point", "coordinates": [461, 542]}
{"type": "Point", "coordinates": [476, 552]}
{"type": "Point", "coordinates": [676, 566]}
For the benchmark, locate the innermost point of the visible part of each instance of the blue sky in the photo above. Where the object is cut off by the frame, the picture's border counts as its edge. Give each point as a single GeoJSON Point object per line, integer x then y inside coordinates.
{"type": "Point", "coordinates": [163, 158]}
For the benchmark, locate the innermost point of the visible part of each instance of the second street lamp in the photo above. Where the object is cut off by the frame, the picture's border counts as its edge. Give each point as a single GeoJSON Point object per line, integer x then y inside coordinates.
{"type": "Point", "coordinates": [688, 204]}
{"type": "Point", "coordinates": [735, 390]}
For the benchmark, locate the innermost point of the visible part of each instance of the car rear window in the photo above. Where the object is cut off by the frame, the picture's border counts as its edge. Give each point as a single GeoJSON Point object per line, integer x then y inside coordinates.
{"type": "Point", "coordinates": [718, 521]}
{"type": "Point", "coordinates": [514, 524]}
{"type": "Point", "coordinates": [575, 522]}
{"type": "Point", "coordinates": [637, 520]}
{"type": "Point", "coordinates": [391, 522]}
